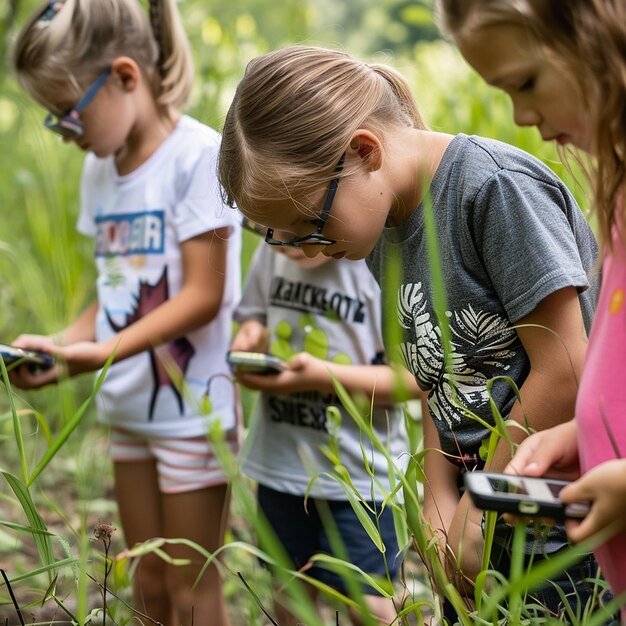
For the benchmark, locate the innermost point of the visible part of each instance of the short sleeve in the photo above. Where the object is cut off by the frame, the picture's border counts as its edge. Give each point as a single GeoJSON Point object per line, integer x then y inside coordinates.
{"type": "Point", "coordinates": [200, 208]}
{"type": "Point", "coordinates": [522, 229]}
{"type": "Point", "coordinates": [254, 302]}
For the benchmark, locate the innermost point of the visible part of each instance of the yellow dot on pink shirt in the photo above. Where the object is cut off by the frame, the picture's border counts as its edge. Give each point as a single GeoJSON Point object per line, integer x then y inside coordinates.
{"type": "Point", "coordinates": [617, 301]}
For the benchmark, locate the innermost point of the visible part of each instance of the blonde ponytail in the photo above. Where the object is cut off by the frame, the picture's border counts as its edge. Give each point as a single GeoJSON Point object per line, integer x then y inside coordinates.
{"type": "Point", "coordinates": [174, 63]}
{"type": "Point", "coordinates": [67, 49]}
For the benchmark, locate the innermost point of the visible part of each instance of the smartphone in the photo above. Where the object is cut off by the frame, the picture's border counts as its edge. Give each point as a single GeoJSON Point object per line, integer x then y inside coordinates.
{"type": "Point", "coordinates": [254, 363]}
{"type": "Point", "coordinates": [522, 495]}
{"type": "Point", "coordinates": [33, 358]}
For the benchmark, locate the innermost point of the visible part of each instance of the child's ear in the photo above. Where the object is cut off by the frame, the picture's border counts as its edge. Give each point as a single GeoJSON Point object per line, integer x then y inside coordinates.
{"type": "Point", "coordinates": [127, 72]}
{"type": "Point", "coordinates": [366, 146]}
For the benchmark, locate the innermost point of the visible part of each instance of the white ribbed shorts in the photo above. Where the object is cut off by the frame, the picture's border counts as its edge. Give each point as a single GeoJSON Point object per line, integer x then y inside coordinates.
{"type": "Point", "coordinates": [182, 464]}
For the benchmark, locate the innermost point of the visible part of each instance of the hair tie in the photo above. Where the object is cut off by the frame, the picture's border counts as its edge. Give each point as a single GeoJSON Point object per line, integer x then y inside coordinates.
{"type": "Point", "coordinates": [50, 11]}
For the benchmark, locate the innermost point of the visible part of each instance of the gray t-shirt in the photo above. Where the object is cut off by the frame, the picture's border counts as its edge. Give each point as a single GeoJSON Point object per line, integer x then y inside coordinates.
{"type": "Point", "coordinates": [332, 312]}
{"type": "Point", "coordinates": [510, 234]}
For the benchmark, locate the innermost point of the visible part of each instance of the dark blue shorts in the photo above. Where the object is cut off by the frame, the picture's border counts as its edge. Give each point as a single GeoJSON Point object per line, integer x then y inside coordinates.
{"type": "Point", "coordinates": [302, 535]}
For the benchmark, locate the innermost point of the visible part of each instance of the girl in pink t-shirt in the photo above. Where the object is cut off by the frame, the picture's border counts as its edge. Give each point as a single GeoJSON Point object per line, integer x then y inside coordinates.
{"type": "Point", "coordinates": [564, 67]}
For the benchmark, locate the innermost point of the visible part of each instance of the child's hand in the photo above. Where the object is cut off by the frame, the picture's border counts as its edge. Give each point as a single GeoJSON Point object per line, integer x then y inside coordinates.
{"type": "Point", "coordinates": [304, 372]}
{"type": "Point", "coordinates": [24, 377]}
{"type": "Point", "coordinates": [72, 359]}
{"type": "Point", "coordinates": [553, 451]}
{"type": "Point", "coordinates": [605, 487]}
{"type": "Point", "coordinates": [82, 356]}
{"type": "Point", "coordinates": [252, 336]}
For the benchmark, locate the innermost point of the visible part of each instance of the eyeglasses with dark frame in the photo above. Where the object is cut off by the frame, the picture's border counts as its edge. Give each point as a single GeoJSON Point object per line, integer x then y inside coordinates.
{"type": "Point", "coordinates": [253, 227]}
{"type": "Point", "coordinates": [70, 125]}
{"type": "Point", "coordinates": [316, 237]}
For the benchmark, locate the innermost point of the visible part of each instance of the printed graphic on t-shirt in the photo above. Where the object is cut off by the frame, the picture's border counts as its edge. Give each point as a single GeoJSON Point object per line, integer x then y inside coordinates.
{"type": "Point", "coordinates": [306, 409]}
{"type": "Point", "coordinates": [310, 298]}
{"type": "Point", "coordinates": [317, 304]}
{"type": "Point", "coordinates": [141, 232]}
{"type": "Point", "coordinates": [171, 356]}
{"type": "Point", "coordinates": [478, 339]}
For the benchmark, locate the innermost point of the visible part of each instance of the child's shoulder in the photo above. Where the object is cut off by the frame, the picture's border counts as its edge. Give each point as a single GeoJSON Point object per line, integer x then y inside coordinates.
{"type": "Point", "coordinates": [476, 162]}
{"type": "Point", "coordinates": [492, 156]}
{"type": "Point", "coordinates": [190, 146]}
{"type": "Point", "coordinates": [195, 135]}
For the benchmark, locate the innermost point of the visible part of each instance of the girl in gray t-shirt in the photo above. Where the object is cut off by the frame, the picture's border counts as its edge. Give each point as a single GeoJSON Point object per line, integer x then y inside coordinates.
{"type": "Point", "coordinates": [515, 252]}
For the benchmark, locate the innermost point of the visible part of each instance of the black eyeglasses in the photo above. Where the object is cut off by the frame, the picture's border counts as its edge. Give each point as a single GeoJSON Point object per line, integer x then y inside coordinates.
{"type": "Point", "coordinates": [315, 238]}
{"type": "Point", "coordinates": [69, 125]}
{"type": "Point", "coordinates": [253, 227]}
{"type": "Point", "coordinates": [50, 11]}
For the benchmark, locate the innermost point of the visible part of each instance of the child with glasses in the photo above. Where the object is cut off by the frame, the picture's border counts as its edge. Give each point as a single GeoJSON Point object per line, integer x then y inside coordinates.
{"type": "Point", "coordinates": [167, 253]}
{"type": "Point", "coordinates": [515, 250]}
{"type": "Point", "coordinates": [323, 317]}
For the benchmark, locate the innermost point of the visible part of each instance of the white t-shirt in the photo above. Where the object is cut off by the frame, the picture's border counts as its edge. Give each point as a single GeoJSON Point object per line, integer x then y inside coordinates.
{"type": "Point", "coordinates": [139, 222]}
{"type": "Point", "coordinates": [332, 312]}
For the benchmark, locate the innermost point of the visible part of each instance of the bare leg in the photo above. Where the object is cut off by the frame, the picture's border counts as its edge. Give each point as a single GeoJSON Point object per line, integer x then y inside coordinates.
{"type": "Point", "coordinates": [139, 502]}
{"type": "Point", "coordinates": [199, 516]}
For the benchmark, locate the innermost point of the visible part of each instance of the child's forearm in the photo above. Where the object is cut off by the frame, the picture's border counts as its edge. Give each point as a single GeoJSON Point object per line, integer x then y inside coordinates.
{"type": "Point", "coordinates": [441, 494]}
{"type": "Point", "coordinates": [83, 328]}
{"type": "Point", "coordinates": [305, 372]}
{"type": "Point", "coordinates": [383, 383]}
{"type": "Point", "coordinates": [187, 311]}
{"type": "Point", "coordinates": [196, 304]}
{"type": "Point", "coordinates": [546, 402]}
{"type": "Point", "coordinates": [548, 395]}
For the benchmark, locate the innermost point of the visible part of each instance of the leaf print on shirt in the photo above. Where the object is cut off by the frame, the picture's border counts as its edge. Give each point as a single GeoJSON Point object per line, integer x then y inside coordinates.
{"type": "Point", "coordinates": [424, 357]}
{"type": "Point", "coordinates": [478, 339]}
{"type": "Point", "coordinates": [487, 333]}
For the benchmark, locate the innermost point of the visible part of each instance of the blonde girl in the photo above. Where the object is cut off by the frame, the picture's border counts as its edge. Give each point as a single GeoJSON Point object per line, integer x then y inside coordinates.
{"type": "Point", "coordinates": [564, 67]}
{"type": "Point", "coordinates": [516, 252]}
{"type": "Point", "coordinates": [167, 252]}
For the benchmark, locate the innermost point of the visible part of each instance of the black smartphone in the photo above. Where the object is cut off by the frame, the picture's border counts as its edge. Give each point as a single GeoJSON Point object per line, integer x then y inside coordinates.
{"type": "Point", "coordinates": [521, 495]}
{"type": "Point", "coordinates": [254, 363]}
{"type": "Point", "coordinates": [33, 358]}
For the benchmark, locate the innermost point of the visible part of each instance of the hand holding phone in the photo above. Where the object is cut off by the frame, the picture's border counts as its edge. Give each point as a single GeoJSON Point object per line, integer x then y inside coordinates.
{"type": "Point", "coordinates": [254, 363]}
{"type": "Point", "coordinates": [522, 495]}
{"type": "Point", "coordinates": [34, 359]}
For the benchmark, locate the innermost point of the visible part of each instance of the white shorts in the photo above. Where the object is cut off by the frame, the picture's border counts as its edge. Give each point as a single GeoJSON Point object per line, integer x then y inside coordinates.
{"type": "Point", "coordinates": [182, 464]}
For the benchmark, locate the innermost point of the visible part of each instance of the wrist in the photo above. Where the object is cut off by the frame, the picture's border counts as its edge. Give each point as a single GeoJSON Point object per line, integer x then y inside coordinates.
{"type": "Point", "coordinates": [104, 349]}
{"type": "Point", "coordinates": [58, 339]}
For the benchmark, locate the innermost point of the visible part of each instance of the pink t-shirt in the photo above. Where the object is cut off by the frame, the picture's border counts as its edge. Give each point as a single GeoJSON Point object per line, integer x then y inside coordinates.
{"type": "Point", "coordinates": [601, 404]}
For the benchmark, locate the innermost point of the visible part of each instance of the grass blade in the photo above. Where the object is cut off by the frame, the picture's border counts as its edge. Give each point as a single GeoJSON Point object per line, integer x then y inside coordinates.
{"type": "Point", "coordinates": [42, 539]}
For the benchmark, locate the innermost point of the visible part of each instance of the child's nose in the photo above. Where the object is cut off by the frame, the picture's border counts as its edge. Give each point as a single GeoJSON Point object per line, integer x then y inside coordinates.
{"type": "Point", "coordinates": [525, 115]}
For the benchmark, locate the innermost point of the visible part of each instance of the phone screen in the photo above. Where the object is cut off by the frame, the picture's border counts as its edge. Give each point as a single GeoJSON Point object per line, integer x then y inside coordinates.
{"type": "Point", "coordinates": [534, 488]}
{"type": "Point", "coordinates": [524, 495]}
{"type": "Point", "coordinates": [254, 363]}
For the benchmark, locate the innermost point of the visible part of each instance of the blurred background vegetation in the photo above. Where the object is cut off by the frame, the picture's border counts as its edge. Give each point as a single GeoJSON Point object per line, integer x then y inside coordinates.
{"type": "Point", "coordinates": [46, 269]}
